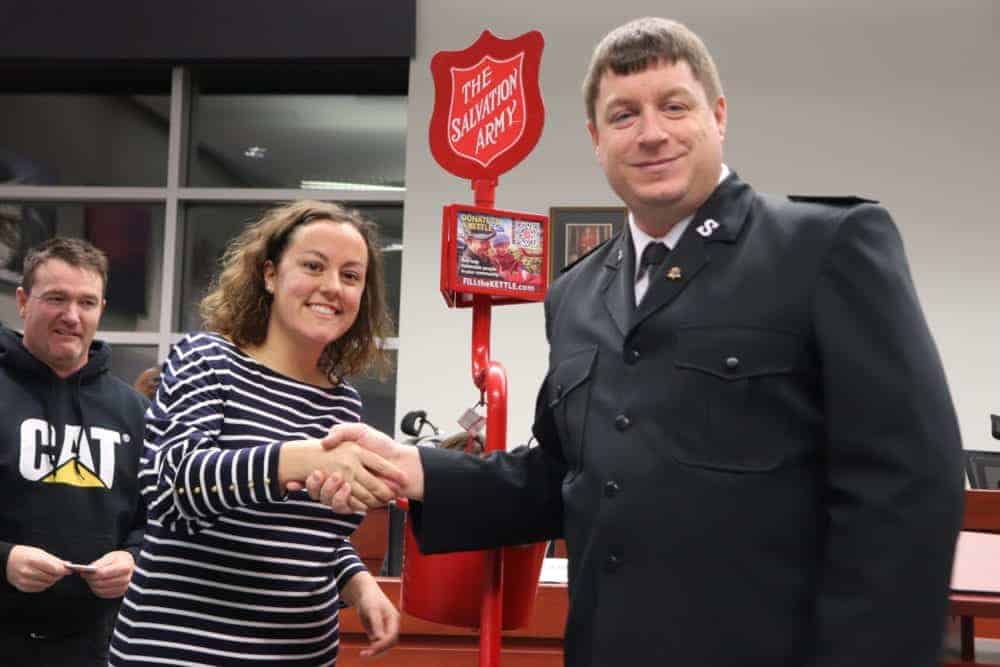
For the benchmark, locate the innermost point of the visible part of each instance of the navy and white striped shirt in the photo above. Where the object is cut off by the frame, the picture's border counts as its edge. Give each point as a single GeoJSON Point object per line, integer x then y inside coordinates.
{"type": "Point", "coordinates": [231, 570]}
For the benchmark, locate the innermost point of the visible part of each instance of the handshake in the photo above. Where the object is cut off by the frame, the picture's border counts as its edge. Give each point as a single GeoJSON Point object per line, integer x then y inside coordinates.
{"type": "Point", "coordinates": [354, 468]}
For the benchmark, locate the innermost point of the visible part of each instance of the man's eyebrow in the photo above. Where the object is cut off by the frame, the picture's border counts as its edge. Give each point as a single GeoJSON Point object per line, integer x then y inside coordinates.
{"type": "Point", "coordinates": [59, 291]}
{"type": "Point", "coordinates": [678, 90]}
{"type": "Point", "coordinates": [669, 92]}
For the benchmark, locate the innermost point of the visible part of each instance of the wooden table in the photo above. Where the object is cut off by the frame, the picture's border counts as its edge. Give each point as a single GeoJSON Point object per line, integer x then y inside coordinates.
{"type": "Point", "coordinates": [540, 643]}
{"type": "Point", "coordinates": [975, 586]}
{"type": "Point", "coordinates": [422, 643]}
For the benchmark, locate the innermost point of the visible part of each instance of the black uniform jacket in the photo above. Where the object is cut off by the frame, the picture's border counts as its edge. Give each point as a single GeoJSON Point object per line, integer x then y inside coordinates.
{"type": "Point", "coordinates": [759, 466]}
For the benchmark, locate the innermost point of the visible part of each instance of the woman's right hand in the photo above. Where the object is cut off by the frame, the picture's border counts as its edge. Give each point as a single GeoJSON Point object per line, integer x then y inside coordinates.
{"type": "Point", "coordinates": [362, 479]}
{"type": "Point", "coordinates": [338, 493]}
{"type": "Point", "coordinates": [367, 479]}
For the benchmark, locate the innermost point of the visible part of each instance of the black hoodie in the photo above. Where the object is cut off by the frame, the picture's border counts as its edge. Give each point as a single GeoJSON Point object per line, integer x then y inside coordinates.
{"type": "Point", "coordinates": [77, 497]}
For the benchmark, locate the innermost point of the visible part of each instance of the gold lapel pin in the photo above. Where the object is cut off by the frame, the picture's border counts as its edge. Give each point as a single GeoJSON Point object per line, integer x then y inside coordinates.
{"type": "Point", "coordinates": [674, 273]}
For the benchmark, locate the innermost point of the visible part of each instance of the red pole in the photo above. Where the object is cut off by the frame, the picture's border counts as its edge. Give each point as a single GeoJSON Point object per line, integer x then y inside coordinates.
{"type": "Point", "coordinates": [481, 309]}
{"type": "Point", "coordinates": [485, 189]}
{"type": "Point", "coordinates": [491, 610]}
{"type": "Point", "coordinates": [491, 379]}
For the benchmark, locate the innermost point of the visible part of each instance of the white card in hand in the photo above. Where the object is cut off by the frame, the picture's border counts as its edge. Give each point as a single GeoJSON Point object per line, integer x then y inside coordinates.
{"type": "Point", "coordinates": [77, 567]}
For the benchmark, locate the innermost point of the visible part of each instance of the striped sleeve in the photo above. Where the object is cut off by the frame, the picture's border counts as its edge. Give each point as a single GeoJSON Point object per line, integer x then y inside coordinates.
{"type": "Point", "coordinates": [186, 475]}
{"type": "Point", "coordinates": [346, 563]}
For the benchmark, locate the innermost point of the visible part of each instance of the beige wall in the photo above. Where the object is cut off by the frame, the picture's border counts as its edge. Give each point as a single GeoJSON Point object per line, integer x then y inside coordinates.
{"type": "Point", "coordinates": [896, 102]}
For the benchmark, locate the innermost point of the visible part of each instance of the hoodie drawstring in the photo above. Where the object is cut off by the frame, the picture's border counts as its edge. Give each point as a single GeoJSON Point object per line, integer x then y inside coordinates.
{"type": "Point", "coordinates": [83, 425]}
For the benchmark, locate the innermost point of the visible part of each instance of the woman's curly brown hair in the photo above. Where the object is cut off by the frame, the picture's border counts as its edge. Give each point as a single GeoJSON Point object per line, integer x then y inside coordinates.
{"type": "Point", "coordinates": [239, 307]}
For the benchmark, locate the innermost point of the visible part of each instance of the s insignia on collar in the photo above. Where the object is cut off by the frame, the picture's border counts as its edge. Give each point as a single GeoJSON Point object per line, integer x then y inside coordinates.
{"type": "Point", "coordinates": [707, 228]}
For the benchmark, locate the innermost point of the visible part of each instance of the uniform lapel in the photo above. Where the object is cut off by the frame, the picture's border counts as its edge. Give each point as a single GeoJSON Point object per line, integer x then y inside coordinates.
{"type": "Point", "coordinates": [719, 219]}
{"type": "Point", "coordinates": [618, 287]}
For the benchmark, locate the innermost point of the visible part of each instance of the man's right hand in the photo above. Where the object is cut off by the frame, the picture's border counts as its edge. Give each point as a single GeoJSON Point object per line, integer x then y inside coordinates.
{"type": "Point", "coordinates": [32, 570]}
{"type": "Point", "coordinates": [371, 479]}
{"type": "Point", "coordinates": [364, 478]}
{"type": "Point", "coordinates": [332, 490]}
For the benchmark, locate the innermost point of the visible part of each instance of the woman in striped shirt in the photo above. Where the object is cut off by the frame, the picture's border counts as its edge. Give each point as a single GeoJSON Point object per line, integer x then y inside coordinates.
{"type": "Point", "coordinates": [238, 564]}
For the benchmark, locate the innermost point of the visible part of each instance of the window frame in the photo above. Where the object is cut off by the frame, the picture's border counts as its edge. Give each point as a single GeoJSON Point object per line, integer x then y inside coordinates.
{"type": "Point", "coordinates": [173, 197]}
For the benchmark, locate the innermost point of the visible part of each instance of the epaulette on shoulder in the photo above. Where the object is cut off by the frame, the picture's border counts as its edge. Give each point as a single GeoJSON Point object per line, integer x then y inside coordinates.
{"type": "Point", "coordinates": [585, 255]}
{"type": "Point", "coordinates": [848, 200]}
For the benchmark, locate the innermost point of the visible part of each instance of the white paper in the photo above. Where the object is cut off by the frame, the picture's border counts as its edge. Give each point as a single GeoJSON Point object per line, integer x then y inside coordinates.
{"type": "Point", "coordinates": [554, 570]}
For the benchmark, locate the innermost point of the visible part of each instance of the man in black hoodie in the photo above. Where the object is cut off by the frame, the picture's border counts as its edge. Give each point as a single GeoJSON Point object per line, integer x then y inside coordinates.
{"type": "Point", "coordinates": [71, 519]}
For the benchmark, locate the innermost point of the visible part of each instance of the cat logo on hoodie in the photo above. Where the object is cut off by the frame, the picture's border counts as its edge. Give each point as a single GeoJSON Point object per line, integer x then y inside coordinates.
{"type": "Point", "coordinates": [93, 464]}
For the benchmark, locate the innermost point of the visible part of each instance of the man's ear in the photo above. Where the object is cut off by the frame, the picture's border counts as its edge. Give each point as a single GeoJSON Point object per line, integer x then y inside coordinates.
{"type": "Point", "coordinates": [594, 139]}
{"type": "Point", "coordinates": [22, 301]}
{"type": "Point", "coordinates": [721, 113]}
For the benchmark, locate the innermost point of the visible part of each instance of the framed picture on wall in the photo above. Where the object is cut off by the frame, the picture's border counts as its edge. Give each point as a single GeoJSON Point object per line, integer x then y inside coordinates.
{"type": "Point", "coordinates": [576, 230]}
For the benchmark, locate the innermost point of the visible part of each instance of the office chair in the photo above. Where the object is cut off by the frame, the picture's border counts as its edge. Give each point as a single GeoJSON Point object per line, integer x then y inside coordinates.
{"type": "Point", "coordinates": [982, 469]}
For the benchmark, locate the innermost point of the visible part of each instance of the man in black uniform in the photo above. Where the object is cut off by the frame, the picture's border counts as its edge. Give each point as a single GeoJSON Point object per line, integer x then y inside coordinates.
{"type": "Point", "coordinates": [746, 436]}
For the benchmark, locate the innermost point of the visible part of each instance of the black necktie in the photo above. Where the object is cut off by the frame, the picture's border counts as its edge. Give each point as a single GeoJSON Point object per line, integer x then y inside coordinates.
{"type": "Point", "coordinates": [652, 256]}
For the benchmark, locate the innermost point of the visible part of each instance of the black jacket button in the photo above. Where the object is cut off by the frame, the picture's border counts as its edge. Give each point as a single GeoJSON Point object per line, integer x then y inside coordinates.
{"type": "Point", "coordinates": [732, 363]}
{"type": "Point", "coordinates": [632, 355]}
{"type": "Point", "coordinates": [612, 488]}
{"type": "Point", "coordinates": [613, 563]}
{"type": "Point", "coordinates": [622, 422]}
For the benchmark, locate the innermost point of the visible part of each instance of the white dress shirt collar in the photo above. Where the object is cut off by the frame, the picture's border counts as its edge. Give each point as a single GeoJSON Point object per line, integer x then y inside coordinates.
{"type": "Point", "coordinates": [641, 239]}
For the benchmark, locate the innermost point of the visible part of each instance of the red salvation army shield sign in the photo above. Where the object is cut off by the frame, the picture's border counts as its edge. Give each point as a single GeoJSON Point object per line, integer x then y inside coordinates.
{"type": "Point", "coordinates": [482, 127]}
{"type": "Point", "coordinates": [488, 111]}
